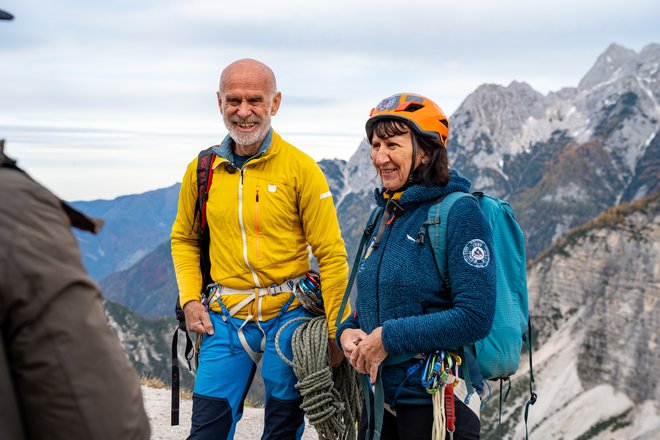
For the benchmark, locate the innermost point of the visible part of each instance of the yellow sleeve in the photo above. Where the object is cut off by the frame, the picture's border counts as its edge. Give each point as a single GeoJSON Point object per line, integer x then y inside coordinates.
{"type": "Point", "coordinates": [185, 240]}
{"type": "Point", "coordinates": [319, 219]}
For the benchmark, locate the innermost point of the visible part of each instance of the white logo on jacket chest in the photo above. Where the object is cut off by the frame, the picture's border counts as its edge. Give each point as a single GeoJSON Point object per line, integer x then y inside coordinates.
{"type": "Point", "coordinates": [476, 253]}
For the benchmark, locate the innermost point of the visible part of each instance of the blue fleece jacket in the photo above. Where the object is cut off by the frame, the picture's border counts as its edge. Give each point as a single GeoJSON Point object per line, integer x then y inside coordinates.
{"type": "Point", "coordinates": [399, 286]}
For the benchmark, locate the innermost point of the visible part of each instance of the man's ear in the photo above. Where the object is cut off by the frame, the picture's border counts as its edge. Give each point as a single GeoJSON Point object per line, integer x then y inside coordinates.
{"type": "Point", "coordinates": [277, 100]}
{"type": "Point", "coordinates": [219, 101]}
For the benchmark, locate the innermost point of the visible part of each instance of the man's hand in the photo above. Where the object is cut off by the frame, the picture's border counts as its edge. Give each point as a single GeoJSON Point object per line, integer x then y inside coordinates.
{"type": "Point", "coordinates": [336, 355]}
{"type": "Point", "coordinates": [197, 318]}
{"type": "Point", "coordinates": [369, 354]}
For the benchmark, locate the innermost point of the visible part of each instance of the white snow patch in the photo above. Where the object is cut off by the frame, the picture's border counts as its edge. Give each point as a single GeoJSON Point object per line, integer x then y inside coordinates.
{"type": "Point", "coordinates": [650, 139]}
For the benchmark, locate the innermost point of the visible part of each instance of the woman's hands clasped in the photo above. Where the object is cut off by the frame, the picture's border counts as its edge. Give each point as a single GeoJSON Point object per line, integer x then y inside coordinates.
{"type": "Point", "coordinates": [364, 352]}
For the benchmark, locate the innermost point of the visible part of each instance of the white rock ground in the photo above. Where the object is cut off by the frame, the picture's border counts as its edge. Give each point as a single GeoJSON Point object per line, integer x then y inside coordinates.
{"type": "Point", "coordinates": [157, 404]}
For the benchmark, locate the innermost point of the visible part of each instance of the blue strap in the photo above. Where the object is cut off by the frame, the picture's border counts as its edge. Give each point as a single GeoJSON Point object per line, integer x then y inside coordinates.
{"type": "Point", "coordinates": [412, 370]}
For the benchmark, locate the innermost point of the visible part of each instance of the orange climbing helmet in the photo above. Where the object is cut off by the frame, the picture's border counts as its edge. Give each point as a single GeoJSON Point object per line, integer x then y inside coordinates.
{"type": "Point", "coordinates": [424, 115]}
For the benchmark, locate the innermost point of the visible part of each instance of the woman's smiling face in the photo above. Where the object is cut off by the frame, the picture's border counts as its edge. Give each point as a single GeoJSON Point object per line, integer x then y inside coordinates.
{"type": "Point", "coordinates": [392, 157]}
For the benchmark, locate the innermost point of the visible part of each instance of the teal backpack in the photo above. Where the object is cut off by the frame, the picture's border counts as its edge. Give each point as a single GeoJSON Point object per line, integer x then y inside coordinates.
{"type": "Point", "coordinates": [498, 354]}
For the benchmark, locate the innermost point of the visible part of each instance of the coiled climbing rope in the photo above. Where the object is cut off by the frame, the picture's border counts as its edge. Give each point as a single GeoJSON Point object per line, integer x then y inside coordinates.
{"type": "Point", "coordinates": [331, 401]}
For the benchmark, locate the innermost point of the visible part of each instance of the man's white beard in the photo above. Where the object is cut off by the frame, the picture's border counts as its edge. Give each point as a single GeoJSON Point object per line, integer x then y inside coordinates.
{"type": "Point", "coordinates": [246, 139]}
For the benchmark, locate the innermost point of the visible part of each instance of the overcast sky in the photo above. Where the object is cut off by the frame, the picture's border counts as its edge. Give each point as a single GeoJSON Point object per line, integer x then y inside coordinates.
{"type": "Point", "coordinates": [100, 98]}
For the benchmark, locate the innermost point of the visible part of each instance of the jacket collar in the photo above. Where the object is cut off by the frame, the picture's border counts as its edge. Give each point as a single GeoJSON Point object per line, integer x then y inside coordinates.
{"type": "Point", "coordinates": [225, 149]}
{"type": "Point", "coordinates": [417, 194]}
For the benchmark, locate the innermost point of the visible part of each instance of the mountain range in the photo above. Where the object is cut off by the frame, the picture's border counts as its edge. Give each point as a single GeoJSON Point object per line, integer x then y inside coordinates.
{"type": "Point", "coordinates": [581, 169]}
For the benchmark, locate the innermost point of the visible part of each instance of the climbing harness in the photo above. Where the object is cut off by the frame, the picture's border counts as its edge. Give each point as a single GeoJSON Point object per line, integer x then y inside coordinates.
{"type": "Point", "coordinates": [331, 401]}
{"type": "Point", "coordinates": [303, 286]}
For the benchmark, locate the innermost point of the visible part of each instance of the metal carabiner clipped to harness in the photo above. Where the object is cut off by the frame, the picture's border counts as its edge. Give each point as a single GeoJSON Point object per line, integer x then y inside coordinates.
{"type": "Point", "coordinates": [308, 291]}
{"type": "Point", "coordinates": [432, 370]}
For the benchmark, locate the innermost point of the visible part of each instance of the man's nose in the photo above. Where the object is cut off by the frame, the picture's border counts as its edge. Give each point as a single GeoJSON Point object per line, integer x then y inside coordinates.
{"type": "Point", "coordinates": [244, 109]}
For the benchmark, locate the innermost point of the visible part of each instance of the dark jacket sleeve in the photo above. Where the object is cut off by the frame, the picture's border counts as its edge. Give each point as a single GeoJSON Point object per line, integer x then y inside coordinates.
{"type": "Point", "coordinates": [473, 290]}
{"type": "Point", "coordinates": [70, 375]}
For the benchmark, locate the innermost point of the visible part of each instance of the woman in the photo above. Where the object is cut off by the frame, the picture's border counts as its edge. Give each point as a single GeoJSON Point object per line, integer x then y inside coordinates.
{"type": "Point", "coordinates": [403, 309]}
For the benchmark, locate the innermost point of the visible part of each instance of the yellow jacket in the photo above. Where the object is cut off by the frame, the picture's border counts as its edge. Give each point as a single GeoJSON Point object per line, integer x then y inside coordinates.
{"type": "Point", "coordinates": [261, 220]}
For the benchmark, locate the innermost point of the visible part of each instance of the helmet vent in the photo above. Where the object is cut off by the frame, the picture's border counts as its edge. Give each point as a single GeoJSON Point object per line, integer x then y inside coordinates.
{"type": "Point", "coordinates": [444, 122]}
{"type": "Point", "coordinates": [413, 107]}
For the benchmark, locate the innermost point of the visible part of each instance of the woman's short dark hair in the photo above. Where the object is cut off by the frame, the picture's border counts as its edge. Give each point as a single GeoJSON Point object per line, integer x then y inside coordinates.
{"type": "Point", "coordinates": [433, 173]}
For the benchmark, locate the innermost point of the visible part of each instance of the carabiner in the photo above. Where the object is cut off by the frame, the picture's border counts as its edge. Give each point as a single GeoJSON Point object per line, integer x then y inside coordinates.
{"type": "Point", "coordinates": [432, 369]}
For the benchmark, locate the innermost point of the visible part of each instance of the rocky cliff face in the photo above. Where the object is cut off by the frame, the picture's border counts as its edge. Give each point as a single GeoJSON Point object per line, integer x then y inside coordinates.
{"type": "Point", "coordinates": [145, 341]}
{"type": "Point", "coordinates": [594, 303]}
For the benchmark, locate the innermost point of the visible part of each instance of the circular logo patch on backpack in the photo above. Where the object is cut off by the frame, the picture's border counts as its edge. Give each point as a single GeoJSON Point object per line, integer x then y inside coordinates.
{"type": "Point", "coordinates": [476, 253]}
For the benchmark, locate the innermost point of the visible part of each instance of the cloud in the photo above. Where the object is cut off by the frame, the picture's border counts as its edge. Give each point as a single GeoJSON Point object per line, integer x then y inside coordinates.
{"type": "Point", "coordinates": [130, 77]}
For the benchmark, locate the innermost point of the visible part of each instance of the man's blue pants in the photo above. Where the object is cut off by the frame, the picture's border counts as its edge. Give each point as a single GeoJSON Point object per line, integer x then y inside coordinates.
{"type": "Point", "coordinates": [225, 373]}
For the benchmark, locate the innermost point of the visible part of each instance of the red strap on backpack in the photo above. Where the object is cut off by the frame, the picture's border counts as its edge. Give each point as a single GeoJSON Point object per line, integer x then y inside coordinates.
{"type": "Point", "coordinates": [204, 178]}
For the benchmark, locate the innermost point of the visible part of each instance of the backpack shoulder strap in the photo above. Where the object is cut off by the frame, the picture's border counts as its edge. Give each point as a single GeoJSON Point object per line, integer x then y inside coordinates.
{"type": "Point", "coordinates": [204, 178]}
{"type": "Point", "coordinates": [436, 223]}
{"type": "Point", "coordinates": [368, 231]}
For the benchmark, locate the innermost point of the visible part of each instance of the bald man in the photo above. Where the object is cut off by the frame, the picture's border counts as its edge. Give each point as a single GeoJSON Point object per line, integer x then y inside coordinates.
{"type": "Point", "coordinates": [268, 202]}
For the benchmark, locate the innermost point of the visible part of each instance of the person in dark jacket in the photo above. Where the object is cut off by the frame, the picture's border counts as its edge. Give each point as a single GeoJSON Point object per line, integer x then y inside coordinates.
{"type": "Point", "coordinates": [404, 311]}
{"type": "Point", "coordinates": [63, 373]}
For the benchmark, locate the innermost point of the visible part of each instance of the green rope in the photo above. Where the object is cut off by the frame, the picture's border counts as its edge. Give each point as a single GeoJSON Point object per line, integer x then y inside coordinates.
{"type": "Point", "coordinates": [331, 401]}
